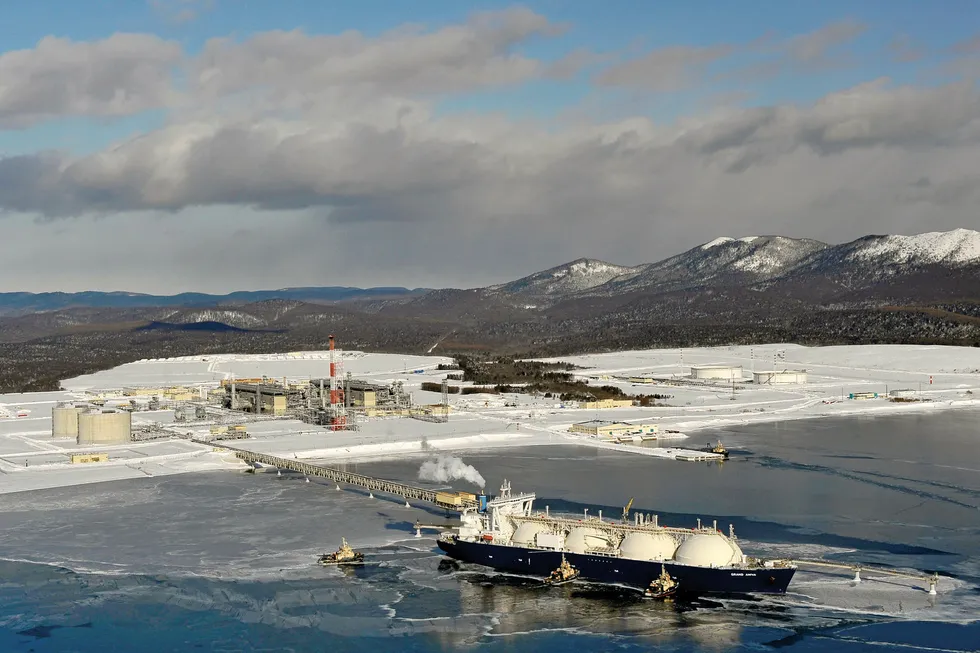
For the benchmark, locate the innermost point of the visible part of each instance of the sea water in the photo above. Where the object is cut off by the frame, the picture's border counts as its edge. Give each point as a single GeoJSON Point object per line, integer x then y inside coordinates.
{"type": "Point", "coordinates": [225, 561]}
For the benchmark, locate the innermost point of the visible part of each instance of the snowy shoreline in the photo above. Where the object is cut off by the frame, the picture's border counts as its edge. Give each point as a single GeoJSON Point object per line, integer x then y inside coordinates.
{"type": "Point", "coordinates": [935, 378]}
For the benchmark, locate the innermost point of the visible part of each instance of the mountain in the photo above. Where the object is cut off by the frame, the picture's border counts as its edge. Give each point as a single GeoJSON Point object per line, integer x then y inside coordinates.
{"type": "Point", "coordinates": [876, 289]}
{"type": "Point", "coordinates": [579, 275]}
{"type": "Point", "coordinates": [20, 303]}
{"type": "Point", "coordinates": [723, 261]}
{"type": "Point", "coordinates": [925, 267]}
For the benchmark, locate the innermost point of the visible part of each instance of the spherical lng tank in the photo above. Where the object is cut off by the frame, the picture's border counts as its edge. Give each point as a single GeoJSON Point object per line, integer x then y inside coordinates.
{"type": "Point", "coordinates": [64, 422]}
{"type": "Point", "coordinates": [95, 427]}
{"type": "Point", "coordinates": [708, 550]}
{"type": "Point", "coordinates": [648, 546]}
{"type": "Point", "coordinates": [526, 534]}
{"type": "Point", "coordinates": [581, 538]}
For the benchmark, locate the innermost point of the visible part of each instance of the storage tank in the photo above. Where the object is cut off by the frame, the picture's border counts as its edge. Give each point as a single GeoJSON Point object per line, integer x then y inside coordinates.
{"type": "Point", "coordinates": [708, 550]}
{"type": "Point", "coordinates": [648, 546]}
{"type": "Point", "coordinates": [581, 538]}
{"type": "Point", "coordinates": [717, 372]}
{"type": "Point", "coordinates": [527, 533]}
{"type": "Point", "coordinates": [95, 427]}
{"type": "Point", "coordinates": [64, 421]}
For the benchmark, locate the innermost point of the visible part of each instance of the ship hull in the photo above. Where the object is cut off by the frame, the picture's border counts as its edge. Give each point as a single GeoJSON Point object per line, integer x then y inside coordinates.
{"type": "Point", "coordinates": [621, 571]}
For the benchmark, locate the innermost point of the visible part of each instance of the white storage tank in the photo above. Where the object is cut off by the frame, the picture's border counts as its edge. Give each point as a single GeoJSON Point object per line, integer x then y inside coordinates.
{"type": "Point", "coordinates": [708, 550]}
{"type": "Point", "coordinates": [96, 427]}
{"type": "Point", "coordinates": [717, 372]}
{"type": "Point", "coordinates": [527, 533]}
{"type": "Point", "coordinates": [551, 541]}
{"type": "Point", "coordinates": [581, 538]}
{"type": "Point", "coordinates": [64, 421]}
{"type": "Point", "coordinates": [778, 377]}
{"type": "Point", "coordinates": [648, 546]}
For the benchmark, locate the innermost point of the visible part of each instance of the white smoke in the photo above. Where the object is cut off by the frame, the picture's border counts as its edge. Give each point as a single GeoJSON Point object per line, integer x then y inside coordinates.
{"type": "Point", "coordinates": [449, 468]}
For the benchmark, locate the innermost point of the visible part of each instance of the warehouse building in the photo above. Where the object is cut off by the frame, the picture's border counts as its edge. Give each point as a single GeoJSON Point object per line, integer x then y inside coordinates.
{"type": "Point", "coordinates": [601, 428]}
{"type": "Point", "coordinates": [779, 377]}
{"type": "Point", "coordinates": [717, 372]}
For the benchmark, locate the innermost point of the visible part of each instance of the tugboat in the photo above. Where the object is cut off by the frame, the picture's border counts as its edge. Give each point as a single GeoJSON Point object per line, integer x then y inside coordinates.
{"type": "Point", "coordinates": [565, 573]}
{"type": "Point", "coordinates": [342, 556]}
{"type": "Point", "coordinates": [718, 448]}
{"type": "Point", "coordinates": [661, 587]}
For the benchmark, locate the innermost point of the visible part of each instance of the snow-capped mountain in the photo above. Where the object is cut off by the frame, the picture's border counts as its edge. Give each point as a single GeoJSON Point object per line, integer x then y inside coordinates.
{"type": "Point", "coordinates": [577, 276]}
{"type": "Point", "coordinates": [937, 264]}
{"type": "Point", "coordinates": [955, 248]}
{"type": "Point", "coordinates": [722, 261]}
{"type": "Point", "coordinates": [769, 274]}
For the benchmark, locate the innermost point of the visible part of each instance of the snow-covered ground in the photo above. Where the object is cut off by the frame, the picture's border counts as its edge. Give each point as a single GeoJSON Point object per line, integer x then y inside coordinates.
{"type": "Point", "coordinates": [941, 377]}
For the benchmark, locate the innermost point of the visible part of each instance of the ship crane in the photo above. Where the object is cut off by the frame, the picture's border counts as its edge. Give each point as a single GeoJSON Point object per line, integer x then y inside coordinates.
{"type": "Point", "coordinates": [626, 511]}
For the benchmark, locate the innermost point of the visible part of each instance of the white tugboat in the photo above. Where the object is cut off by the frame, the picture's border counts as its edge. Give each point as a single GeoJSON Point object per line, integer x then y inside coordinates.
{"type": "Point", "coordinates": [345, 555]}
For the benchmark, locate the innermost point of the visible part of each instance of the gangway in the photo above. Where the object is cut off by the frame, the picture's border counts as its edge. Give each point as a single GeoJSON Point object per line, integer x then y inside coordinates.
{"type": "Point", "coordinates": [456, 501]}
{"type": "Point", "coordinates": [932, 580]}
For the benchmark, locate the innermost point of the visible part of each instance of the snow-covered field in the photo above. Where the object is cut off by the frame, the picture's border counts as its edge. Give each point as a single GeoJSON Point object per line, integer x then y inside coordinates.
{"type": "Point", "coordinates": [938, 377]}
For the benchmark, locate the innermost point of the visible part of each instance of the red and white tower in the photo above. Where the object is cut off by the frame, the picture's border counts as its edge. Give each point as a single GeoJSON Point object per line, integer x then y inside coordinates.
{"type": "Point", "coordinates": [337, 411]}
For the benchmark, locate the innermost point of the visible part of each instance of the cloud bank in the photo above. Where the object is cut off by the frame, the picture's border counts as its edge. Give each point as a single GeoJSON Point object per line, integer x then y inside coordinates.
{"type": "Point", "coordinates": [339, 148]}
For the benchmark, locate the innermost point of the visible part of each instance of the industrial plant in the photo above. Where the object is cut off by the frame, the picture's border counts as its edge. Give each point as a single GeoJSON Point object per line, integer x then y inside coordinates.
{"type": "Point", "coordinates": [336, 401]}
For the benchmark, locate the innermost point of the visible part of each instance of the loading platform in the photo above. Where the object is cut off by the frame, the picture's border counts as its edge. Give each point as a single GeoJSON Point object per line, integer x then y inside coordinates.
{"type": "Point", "coordinates": [931, 579]}
{"type": "Point", "coordinates": [456, 501]}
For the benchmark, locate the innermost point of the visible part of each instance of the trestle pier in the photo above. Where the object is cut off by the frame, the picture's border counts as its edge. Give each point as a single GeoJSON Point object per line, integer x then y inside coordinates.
{"type": "Point", "coordinates": [450, 501]}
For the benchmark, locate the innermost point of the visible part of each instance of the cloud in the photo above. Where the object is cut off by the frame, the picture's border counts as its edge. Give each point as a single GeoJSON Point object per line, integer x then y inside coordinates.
{"type": "Point", "coordinates": [815, 48]}
{"type": "Point", "coordinates": [904, 50]}
{"type": "Point", "coordinates": [681, 67]}
{"type": "Point", "coordinates": [867, 116]}
{"type": "Point", "coordinates": [968, 46]}
{"type": "Point", "coordinates": [664, 70]}
{"type": "Point", "coordinates": [332, 160]}
{"type": "Point", "coordinates": [180, 12]}
{"type": "Point", "coordinates": [121, 75]}
{"type": "Point", "coordinates": [385, 167]}
{"type": "Point", "coordinates": [410, 60]}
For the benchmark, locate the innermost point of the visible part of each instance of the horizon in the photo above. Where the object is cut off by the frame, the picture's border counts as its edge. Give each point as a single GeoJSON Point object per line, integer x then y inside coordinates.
{"type": "Point", "coordinates": [173, 146]}
{"type": "Point", "coordinates": [221, 293]}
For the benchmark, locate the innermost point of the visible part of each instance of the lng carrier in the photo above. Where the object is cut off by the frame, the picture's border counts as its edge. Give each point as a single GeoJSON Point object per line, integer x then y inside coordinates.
{"type": "Point", "coordinates": [505, 533]}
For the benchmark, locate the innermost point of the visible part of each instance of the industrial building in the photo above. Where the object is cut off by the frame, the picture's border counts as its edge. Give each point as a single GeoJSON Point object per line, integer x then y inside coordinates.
{"type": "Point", "coordinates": [779, 377]}
{"type": "Point", "coordinates": [606, 403]}
{"type": "Point", "coordinates": [601, 428]}
{"type": "Point", "coordinates": [76, 458]}
{"type": "Point", "coordinates": [104, 427]}
{"type": "Point", "coordinates": [717, 372]}
{"type": "Point", "coordinates": [260, 398]}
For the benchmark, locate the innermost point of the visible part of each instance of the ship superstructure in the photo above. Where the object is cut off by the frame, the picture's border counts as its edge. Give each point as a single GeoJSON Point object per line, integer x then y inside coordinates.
{"type": "Point", "coordinates": [506, 533]}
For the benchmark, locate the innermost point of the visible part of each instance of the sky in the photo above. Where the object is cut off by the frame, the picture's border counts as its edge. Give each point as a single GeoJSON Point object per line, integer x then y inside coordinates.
{"type": "Point", "coordinates": [215, 145]}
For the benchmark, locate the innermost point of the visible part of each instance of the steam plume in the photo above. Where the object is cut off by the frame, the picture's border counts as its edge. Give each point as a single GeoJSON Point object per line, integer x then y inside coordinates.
{"type": "Point", "coordinates": [450, 468]}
